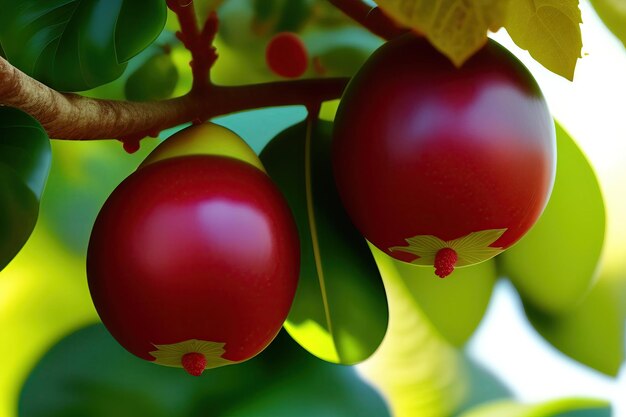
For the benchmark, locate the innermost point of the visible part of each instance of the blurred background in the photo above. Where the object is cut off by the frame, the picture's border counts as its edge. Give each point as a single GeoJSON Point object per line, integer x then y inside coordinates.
{"type": "Point", "coordinates": [470, 348]}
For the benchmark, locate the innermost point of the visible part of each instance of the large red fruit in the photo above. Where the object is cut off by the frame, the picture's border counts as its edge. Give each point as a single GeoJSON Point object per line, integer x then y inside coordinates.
{"type": "Point", "coordinates": [443, 166]}
{"type": "Point", "coordinates": [193, 262]}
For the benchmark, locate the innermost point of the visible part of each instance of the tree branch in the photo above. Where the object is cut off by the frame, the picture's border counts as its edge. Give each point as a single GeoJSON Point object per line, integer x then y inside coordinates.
{"type": "Point", "coordinates": [71, 116]}
{"type": "Point", "coordinates": [198, 42]}
{"type": "Point", "coordinates": [372, 18]}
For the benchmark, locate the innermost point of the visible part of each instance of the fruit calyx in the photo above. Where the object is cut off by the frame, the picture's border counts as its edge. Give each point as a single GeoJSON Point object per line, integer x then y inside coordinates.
{"type": "Point", "coordinates": [194, 363]}
{"type": "Point", "coordinates": [444, 262]}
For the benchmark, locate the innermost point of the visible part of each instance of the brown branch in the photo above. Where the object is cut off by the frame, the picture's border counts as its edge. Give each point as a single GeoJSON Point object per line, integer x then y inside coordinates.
{"type": "Point", "coordinates": [198, 42]}
{"type": "Point", "coordinates": [75, 117]}
{"type": "Point", "coordinates": [71, 116]}
{"type": "Point", "coordinates": [372, 18]}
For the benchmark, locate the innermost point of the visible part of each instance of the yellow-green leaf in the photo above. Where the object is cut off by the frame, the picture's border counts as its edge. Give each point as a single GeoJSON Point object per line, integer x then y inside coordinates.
{"type": "Point", "coordinates": [418, 372]}
{"type": "Point", "coordinates": [613, 14]}
{"type": "Point", "coordinates": [593, 333]}
{"type": "Point", "coordinates": [549, 30]}
{"type": "Point", "coordinates": [568, 407]}
{"type": "Point", "coordinates": [555, 264]}
{"type": "Point", "coordinates": [457, 28]}
{"type": "Point", "coordinates": [468, 289]}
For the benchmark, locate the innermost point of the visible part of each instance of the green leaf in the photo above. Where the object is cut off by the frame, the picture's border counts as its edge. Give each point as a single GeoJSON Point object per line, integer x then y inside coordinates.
{"type": "Point", "coordinates": [457, 28]}
{"type": "Point", "coordinates": [549, 30]}
{"type": "Point", "coordinates": [74, 45]}
{"type": "Point", "coordinates": [155, 79]}
{"type": "Point", "coordinates": [555, 264]}
{"type": "Point", "coordinates": [340, 311]}
{"type": "Point", "coordinates": [24, 166]}
{"type": "Point", "coordinates": [482, 387]}
{"type": "Point", "coordinates": [570, 407]}
{"type": "Point", "coordinates": [343, 60]}
{"type": "Point", "coordinates": [89, 374]}
{"type": "Point", "coordinates": [138, 25]}
{"type": "Point", "coordinates": [417, 370]}
{"type": "Point", "coordinates": [613, 14]}
{"type": "Point", "coordinates": [273, 16]}
{"type": "Point", "coordinates": [83, 176]}
{"type": "Point", "coordinates": [455, 305]}
{"type": "Point", "coordinates": [593, 333]}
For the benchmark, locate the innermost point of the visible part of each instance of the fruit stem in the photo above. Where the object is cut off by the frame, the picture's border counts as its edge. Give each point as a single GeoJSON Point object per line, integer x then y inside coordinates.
{"type": "Point", "coordinates": [445, 260]}
{"type": "Point", "coordinates": [194, 363]}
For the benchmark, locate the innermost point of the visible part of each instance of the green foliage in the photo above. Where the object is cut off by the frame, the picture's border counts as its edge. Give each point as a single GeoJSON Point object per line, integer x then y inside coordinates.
{"type": "Point", "coordinates": [274, 16]}
{"type": "Point", "coordinates": [83, 175]}
{"type": "Point", "coordinates": [340, 310]}
{"type": "Point", "coordinates": [571, 407]}
{"type": "Point", "coordinates": [343, 60]}
{"type": "Point", "coordinates": [554, 265]}
{"type": "Point", "coordinates": [454, 305]}
{"type": "Point", "coordinates": [456, 28]}
{"type": "Point", "coordinates": [593, 333]}
{"type": "Point", "coordinates": [419, 372]}
{"type": "Point", "coordinates": [155, 79]}
{"type": "Point", "coordinates": [613, 14]}
{"type": "Point", "coordinates": [549, 30]}
{"type": "Point", "coordinates": [89, 374]}
{"type": "Point", "coordinates": [77, 44]}
{"type": "Point", "coordinates": [24, 166]}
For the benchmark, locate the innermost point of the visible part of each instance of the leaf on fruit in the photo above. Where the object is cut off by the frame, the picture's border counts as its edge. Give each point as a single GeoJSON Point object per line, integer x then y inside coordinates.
{"type": "Point", "coordinates": [74, 45]}
{"type": "Point", "coordinates": [340, 310]}
{"type": "Point", "coordinates": [155, 79]}
{"type": "Point", "coordinates": [613, 14]}
{"type": "Point", "coordinates": [568, 407]}
{"type": "Point", "coordinates": [89, 374]}
{"type": "Point", "coordinates": [554, 265]}
{"type": "Point", "coordinates": [24, 165]}
{"type": "Point", "coordinates": [471, 249]}
{"type": "Point", "coordinates": [549, 30]}
{"type": "Point", "coordinates": [457, 28]}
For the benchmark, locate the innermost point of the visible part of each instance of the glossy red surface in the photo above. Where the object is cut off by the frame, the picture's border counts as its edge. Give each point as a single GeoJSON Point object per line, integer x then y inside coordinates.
{"type": "Point", "coordinates": [194, 247]}
{"type": "Point", "coordinates": [286, 55]}
{"type": "Point", "coordinates": [423, 148]}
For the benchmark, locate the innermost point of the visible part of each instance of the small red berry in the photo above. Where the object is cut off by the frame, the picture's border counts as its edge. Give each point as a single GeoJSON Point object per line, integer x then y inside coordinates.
{"type": "Point", "coordinates": [194, 363]}
{"type": "Point", "coordinates": [286, 55]}
{"type": "Point", "coordinates": [445, 259]}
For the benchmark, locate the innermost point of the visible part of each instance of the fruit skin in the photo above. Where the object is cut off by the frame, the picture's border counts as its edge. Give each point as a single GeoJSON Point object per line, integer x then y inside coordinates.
{"type": "Point", "coordinates": [204, 139]}
{"type": "Point", "coordinates": [191, 249]}
{"type": "Point", "coordinates": [424, 149]}
{"type": "Point", "coordinates": [286, 55]}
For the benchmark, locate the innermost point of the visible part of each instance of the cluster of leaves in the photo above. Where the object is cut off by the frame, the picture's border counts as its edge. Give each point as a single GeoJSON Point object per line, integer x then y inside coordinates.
{"type": "Point", "coordinates": [111, 49]}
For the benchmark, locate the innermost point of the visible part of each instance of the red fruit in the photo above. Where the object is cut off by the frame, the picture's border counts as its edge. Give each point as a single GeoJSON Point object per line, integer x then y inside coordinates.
{"type": "Point", "coordinates": [194, 261]}
{"type": "Point", "coordinates": [286, 55]}
{"type": "Point", "coordinates": [428, 157]}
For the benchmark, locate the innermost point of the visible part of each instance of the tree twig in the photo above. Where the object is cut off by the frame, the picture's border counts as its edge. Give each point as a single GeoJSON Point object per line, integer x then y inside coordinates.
{"type": "Point", "coordinates": [198, 41]}
{"type": "Point", "coordinates": [372, 18]}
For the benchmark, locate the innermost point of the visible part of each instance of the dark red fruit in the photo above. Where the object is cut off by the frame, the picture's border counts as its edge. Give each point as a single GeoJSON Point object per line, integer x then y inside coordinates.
{"type": "Point", "coordinates": [428, 156]}
{"type": "Point", "coordinates": [194, 261]}
{"type": "Point", "coordinates": [286, 55]}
